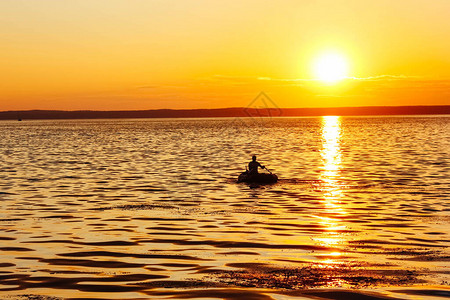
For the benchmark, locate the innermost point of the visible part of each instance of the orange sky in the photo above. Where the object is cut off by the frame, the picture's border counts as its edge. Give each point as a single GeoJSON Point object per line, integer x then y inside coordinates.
{"type": "Point", "coordinates": [119, 54]}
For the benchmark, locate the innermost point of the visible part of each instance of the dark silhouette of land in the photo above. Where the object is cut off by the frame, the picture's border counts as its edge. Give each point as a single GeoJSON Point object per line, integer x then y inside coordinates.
{"type": "Point", "coordinates": [227, 112]}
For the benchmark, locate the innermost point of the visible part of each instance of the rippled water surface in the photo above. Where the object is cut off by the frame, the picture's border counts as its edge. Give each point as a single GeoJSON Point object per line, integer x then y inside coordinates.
{"type": "Point", "coordinates": [150, 208]}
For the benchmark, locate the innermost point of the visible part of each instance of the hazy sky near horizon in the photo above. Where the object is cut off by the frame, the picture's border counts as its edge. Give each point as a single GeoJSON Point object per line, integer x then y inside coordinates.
{"type": "Point", "coordinates": [136, 54]}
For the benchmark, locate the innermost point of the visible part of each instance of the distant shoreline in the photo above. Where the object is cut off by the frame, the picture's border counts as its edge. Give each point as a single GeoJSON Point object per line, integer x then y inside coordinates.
{"type": "Point", "coordinates": [226, 112]}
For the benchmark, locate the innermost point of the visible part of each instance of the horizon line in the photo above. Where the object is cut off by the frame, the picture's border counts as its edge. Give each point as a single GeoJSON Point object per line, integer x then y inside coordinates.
{"type": "Point", "coordinates": [222, 108]}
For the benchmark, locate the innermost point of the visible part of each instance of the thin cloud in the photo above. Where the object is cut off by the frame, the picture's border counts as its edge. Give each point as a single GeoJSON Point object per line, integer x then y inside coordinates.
{"type": "Point", "coordinates": [146, 87]}
{"type": "Point", "coordinates": [386, 77]}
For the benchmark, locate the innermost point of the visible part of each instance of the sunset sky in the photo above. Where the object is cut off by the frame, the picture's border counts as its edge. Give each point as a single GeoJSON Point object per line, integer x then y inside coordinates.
{"type": "Point", "coordinates": [133, 54]}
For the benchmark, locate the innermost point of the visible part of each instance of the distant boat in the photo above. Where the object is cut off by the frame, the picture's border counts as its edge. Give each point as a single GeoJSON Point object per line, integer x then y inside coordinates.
{"type": "Point", "coordinates": [260, 178]}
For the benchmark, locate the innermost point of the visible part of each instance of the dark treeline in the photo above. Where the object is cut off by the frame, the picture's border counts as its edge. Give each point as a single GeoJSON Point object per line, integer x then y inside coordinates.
{"type": "Point", "coordinates": [226, 112]}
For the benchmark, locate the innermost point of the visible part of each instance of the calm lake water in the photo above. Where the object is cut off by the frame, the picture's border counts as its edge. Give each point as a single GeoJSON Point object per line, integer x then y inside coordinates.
{"type": "Point", "coordinates": [135, 209]}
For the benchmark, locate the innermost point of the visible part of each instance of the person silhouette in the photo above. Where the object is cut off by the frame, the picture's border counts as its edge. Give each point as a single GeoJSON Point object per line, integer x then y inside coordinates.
{"type": "Point", "coordinates": [253, 166]}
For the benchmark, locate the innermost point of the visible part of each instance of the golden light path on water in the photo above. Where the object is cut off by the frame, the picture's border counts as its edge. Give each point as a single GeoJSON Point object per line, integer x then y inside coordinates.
{"type": "Point", "coordinates": [331, 158]}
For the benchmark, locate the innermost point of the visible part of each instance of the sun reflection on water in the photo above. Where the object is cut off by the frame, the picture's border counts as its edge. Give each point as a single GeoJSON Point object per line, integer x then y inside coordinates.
{"type": "Point", "coordinates": [331, 154]}
{"type": "Point", "coordinates": [332, 193]}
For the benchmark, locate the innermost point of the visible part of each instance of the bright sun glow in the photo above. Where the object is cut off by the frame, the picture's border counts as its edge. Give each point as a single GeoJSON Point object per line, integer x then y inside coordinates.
{"type": "Point", "coordinates": [330, 67]}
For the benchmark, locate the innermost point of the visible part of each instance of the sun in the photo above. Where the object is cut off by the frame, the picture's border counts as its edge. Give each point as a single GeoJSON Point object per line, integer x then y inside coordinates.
{"type": "Point", "coordinates": [330, 67]}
